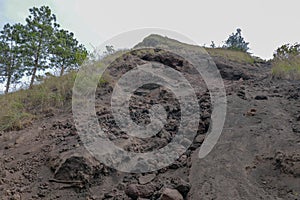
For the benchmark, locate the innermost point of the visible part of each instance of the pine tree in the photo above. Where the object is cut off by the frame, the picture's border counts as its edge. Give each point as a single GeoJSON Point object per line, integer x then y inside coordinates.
{"type": "Point", "coordinates": [11, 55]}
{"type": "Point", "coordinates": [40, 26]}
{"type": "Point", "coordinates": [66, 52]}
{"type": "Point", "coordinates": [237, 42]}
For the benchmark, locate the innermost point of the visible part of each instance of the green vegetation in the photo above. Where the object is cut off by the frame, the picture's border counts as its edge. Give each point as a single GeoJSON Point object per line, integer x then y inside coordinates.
{"type": "Point", "coordinates": [237, 42]}
{"type": "Point", "coordinates": [37, 46]}
{"type": "Point", "coordinates": [286, 62]}
{"type": "Point", "coordinates": [10, 55]}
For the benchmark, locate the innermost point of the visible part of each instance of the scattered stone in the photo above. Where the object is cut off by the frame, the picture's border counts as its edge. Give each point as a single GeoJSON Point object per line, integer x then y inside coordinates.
{"type": "Point", "coordinates": [288, 164]}
{"type": "Point", "coordinates": [146, 179]}
{"type": "Point", "coordinates": [241, 94]}
{"type": "Point", "coordinates": [182, 186]}
{"type": "Point", "coordinates": [171, 194]}
{"type": "Point", "coordinates": [145, 191]}
{"type": "Point", "coordinates": [251, 112]}
{"type": "Point", "coordinates": [296, 128]}
{"type": "Point", "coordinates": [200, 138]}
{"type": "Point", "coordinates": [16, 197]}
{"type": "Point", "coordinates": [261, 97]}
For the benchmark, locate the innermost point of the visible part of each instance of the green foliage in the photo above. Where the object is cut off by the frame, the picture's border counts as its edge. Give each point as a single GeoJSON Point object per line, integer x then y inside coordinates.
{"type": "Point", "coordinates": [237, 42]}
{"type": "Point", "coordinates": [109, 49]}
{"type": "Point", "coordinates": [66, 52]}
{"type": "Point", "coordinates": [37, 46]}
{"type": "Point", "coordinates": [40, 26]}
{"type": "Point", "coordinates": [10, 55]}
{"type": "Point", "coordinates": [287, 51]}
{"type": "Point", "coordinates": [213, 45]}
{"type": "Point", "coordinates": [19, 109]}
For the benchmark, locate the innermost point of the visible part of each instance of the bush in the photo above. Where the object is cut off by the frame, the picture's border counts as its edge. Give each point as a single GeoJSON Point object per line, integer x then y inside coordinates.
{"type": "Point", "coordinates": [237, 42]}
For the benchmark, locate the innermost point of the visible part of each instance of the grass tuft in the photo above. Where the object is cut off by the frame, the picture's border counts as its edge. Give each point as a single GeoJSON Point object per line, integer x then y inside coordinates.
{"type": "Point", "coordinates": [286, 68]}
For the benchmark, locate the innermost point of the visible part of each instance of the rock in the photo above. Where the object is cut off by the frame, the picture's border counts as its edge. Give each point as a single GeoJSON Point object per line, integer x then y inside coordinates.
{"type": "Point", "coordinates": [288, 164]}
{"type": "Point", "coordinates": [251, 112]}
{"type": "Point", "coordinates": [16, 197]}
{"type": "Point", "coordinates": [261, 97]}
{"type": "Point", "coordinates": [171, 194]}
{"type": "Point", "coordinates": [145, 191]}
{"type": "Point", "coordinates": [150, 86]}
{"type": "Point", "coordinates": [229, 71]}
{"type": "Point", "coordinates": [73, 166]}
{"type": "Point", "coordinates": [182, 186]}
{"type": "Point", "coordinates": [241, 94]}
{"type": "Point", "coordinates": [146, 179]}
{"type": "Point", "coordinates": [296, 128]}
{"type": "Point", "coordinates": [200, 138]}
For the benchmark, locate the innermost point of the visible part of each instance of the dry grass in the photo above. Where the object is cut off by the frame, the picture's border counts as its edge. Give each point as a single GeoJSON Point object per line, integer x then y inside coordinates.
{"type": "Point", "coordinates": [231, 55]}
{"type": "Point", "coordinates": [20, 108]}
{"type": "Point", "coordinates": [286, 68]}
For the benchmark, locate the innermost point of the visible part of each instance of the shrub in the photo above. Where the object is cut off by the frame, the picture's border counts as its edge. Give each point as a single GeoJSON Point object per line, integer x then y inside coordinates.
{"type": "Point", "coordinates": [237, 42]}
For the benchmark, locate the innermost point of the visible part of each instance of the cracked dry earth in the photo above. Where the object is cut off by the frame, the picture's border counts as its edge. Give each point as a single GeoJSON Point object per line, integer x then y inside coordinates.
{"type": "Point", "coordinates": [256, 157]}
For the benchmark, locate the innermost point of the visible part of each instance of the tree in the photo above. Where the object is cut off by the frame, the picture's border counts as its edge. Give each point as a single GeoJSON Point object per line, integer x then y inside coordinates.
{"type": "Point", "coordinates": [213, 45]}
{"type": "Point", "coordinates": [66, 52]}
{"type": "Point", "coordinates": [287, 51]}
{"type": "Point", "coordinates": [36, 46]}
{"type": "Point", "coordinates": [237, 42]}
{"type": "Point", "coordinates": [11, 55]}
{"type": "Point", "coordinates": [40, 26]}
{"type": "Point", "coordinates": [109, 49]}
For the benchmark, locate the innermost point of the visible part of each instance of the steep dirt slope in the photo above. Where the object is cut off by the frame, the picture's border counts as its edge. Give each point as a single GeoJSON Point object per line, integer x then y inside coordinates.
{"type": "Point", "coordinates": [257, 156]}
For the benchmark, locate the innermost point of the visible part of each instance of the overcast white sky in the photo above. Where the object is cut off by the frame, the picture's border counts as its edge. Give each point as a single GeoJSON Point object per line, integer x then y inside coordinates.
{"type": "Point", "coordinates": [266, 24]}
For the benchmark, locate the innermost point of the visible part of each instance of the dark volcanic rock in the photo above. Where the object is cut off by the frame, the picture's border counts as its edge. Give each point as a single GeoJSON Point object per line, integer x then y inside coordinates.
{"type": "Point", "coordinates": [74, 166]}
{"type": "Point", "coordinates": [230, 72]}
{"type": "Point", "coordinates": [135, 190]}
{"type": "Point", "coordinates": [261, 97]}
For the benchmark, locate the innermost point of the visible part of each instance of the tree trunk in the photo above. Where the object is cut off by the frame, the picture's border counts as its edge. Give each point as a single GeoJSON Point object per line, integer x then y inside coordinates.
{"type": "Point", "coordinates": [62, 71]}
{"type": "Point", "coordinates": [7, 84]}
{"type": "Point", "coordinates": [36, 65]}
{"type": "Point", "coordinates": [33, 77]}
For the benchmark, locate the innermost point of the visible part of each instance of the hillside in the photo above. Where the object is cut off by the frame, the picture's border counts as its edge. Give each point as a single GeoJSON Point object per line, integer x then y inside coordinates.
{"type": "Point", "coordinates": [256, 157]}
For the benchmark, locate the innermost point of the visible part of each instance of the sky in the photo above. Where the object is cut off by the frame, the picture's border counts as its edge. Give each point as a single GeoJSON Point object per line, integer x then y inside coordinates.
{"type": "Point", "coordinates": [265, 24]}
